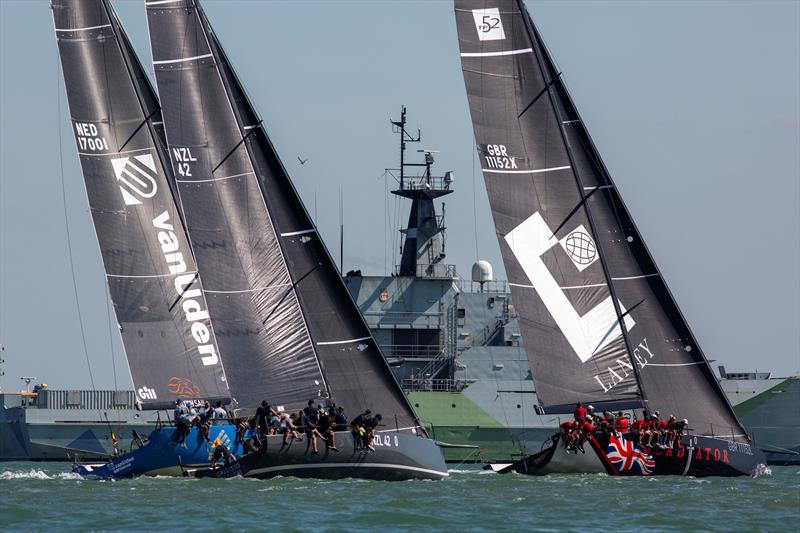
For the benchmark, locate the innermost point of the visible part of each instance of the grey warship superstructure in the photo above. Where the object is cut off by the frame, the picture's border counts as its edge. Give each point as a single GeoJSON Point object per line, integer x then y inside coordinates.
{"type": "Point", "coordinates": [58, 425]}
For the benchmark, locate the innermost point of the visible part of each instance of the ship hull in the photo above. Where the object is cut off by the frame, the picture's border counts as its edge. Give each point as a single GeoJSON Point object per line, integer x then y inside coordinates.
{"type": "Point", "coordinates": [162, 455]}
{"type": "Point", "coordinates": [397, 457]}
{"type": "Point", "coordinates": [696, 456]}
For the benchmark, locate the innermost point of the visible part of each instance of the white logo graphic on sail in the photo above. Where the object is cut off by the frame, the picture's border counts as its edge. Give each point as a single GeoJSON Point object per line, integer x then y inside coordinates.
{"type": "Point", "coordinates": [587, 334]}
{"type": "Point", "coordinates": [136, 176]}
{"type": "Point", "coordinates": [146, 393]}
{"type": "Point", "coordinates": [580, 247]}
{"type": "Point", "coordinates": [489, 24]}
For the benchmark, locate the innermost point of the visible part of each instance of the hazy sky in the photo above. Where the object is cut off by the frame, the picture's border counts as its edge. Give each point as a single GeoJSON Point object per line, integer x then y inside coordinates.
{"type": "Point", "coordinates": [694, 106]}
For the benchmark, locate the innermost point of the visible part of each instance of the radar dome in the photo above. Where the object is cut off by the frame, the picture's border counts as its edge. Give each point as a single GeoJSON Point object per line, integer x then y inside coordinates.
{"type": "Point", "coordinates": [482, 271]}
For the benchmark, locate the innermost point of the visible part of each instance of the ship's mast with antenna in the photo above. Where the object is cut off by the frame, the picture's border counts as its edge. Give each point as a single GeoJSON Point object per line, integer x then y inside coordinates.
{"type": "Point", "coordinates": [423, 250]}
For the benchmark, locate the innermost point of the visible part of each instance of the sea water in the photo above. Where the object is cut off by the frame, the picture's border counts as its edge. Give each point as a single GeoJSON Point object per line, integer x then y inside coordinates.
{"type": "Point", "coordinates": [45, 496]}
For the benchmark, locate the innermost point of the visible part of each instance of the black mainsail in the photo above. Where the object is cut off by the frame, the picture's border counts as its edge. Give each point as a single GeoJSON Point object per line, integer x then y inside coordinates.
{"type": "Point", "coordinates": [275, 294]}
{"type": "Point", "coordinates": [577, 265]}
{"type": "Point", "coordinates": [152, 277]}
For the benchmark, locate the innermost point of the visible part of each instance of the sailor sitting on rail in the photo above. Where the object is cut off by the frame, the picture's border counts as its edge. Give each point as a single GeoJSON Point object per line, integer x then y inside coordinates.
{"type": "Point", "coordinates": [183, 421]}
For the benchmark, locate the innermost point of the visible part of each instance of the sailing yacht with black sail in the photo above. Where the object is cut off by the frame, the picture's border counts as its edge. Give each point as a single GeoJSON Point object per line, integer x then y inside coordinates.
{"type": "Point", "coordinates": [598, 320]}
{"type": "Point", "coordinates": [276, 297]}
{"type": "Point", "coordinates": [156, 290]}
{"type": "Point", "coordinates": [153, 281]}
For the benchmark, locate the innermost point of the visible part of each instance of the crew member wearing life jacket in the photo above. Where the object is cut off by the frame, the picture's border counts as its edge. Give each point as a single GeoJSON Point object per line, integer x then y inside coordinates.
{"type": "Point", "coordinates": [580, 413]}
{"type": "Point", "coordinates": [621, 423]}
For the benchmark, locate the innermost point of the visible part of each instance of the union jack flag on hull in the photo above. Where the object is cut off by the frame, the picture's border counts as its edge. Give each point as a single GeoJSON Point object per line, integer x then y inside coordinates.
{"type": "Point", "coordinates": [629, 457]}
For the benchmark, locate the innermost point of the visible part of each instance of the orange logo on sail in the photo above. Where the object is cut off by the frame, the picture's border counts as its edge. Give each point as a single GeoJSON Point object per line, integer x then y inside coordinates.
{"type": "Point", "coordinates": [183, 387]}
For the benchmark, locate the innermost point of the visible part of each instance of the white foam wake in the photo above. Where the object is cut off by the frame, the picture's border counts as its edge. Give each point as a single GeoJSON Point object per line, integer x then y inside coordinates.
{"type": "Point", "coordinates": [36, 474]}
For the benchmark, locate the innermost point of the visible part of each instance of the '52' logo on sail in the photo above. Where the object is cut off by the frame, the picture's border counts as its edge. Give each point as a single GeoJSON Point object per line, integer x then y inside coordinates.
{"type": "Point", "coordinates": [489, 24]}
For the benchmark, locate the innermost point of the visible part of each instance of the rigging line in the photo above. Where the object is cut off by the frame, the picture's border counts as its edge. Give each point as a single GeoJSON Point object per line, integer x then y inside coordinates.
{"type": "Point", "coordinates": [475, 204]}
{"type": "Point", "coordinates": [289, 291]}
{"type": "Point", "coordinates": [111, 336]}
{"type": "Point", "coordinates": [66, 226]}
{"type": "Point", "coordinates": [575, 209]}
{"type": "Point", "coordinates": [244, 138]}
{"type": "Point", "coordinates": [148, 117]}
{"type": "Point", "coordinates": [184, 291]}
{"type": "Point", "coordinates": [535, 98]}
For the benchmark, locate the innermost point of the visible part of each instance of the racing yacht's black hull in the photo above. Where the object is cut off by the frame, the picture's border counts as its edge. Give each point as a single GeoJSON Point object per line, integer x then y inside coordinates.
{"type": "Point", "coordinates": [698, 456]}
{"type": "Point", "coordinates": [397, 457]}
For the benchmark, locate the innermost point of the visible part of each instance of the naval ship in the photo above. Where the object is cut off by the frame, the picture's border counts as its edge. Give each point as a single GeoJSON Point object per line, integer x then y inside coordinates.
{"type": "Point", "coordinates": [769, 407]}
{"type": "Point", "coordinates": [61, 425]}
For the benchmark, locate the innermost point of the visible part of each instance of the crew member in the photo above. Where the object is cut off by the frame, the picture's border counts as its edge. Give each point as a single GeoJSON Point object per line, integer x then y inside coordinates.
{"type": "Point", "coordinates": [219, 413]}
{"type": "Point", "coordinates": [183, 422]}
{"type": "Point", "coordinates": [326, 424]}
{"type": "Point", "coordinates": [580, 413]}
{"type": "Point", "coordinates": [621, 423]}
{"type": "Point", "coordinates": [341, 419]}
{"type": "Point", "coordinates": [359, 429]}
{"type": "Point", "coordinates": [371, 424]}
{"type": "Point", "coordinates": [221, 452]}
{"type": "Point", "coordinates": [310, 427]}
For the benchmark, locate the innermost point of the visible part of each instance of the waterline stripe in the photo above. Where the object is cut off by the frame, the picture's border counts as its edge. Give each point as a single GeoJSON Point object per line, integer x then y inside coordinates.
{"type": "Point", "coordinates": [493, 171]}
{"type": "Point", "coordinates": [283, 468]}
{"type": "Point", "coordinates": [328, 343]}
{"type": "Point", "coordinates": [181, 60]}
{"type": "Point", "coordinates": [159, 2]}
{"type": "Point", "coordinates": [496, 54]}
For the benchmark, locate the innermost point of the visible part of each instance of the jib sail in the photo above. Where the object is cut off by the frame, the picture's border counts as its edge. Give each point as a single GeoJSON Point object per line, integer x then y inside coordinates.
{"type": "Point", "coordinates": [578, 266]}
{"type": "Point", "coordinates": [318, 332]}
{"type": "Point", "coordinates": [153, 281]}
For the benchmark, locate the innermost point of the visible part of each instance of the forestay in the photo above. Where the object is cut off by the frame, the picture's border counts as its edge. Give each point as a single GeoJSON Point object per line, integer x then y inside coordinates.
{"type": "Point", "coordinates": [152, 277]}
{"type": "Point", "coordinates": [577, 264]}
{"type": "Point", "coordinates": [320, 319]}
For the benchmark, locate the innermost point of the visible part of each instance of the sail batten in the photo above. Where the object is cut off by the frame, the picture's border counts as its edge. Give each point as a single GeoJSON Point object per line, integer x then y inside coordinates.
{"type": "Point", "coordinates": [146, 256]}
{"type": "Point", "coordinates": [577, 261]}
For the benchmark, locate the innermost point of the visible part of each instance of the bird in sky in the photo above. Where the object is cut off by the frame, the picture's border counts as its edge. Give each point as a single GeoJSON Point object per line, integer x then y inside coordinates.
{"type": "Point", "coordinates": [302, 161]}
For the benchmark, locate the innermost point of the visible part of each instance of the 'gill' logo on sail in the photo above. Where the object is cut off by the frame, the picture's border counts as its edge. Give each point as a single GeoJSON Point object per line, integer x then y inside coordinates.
{"type": "Point", "coordinates": [136, 176]}
{"type": "Point", "coordinates": [146, 393]}
{"type": "Point", "coordinates": [489, 24]}
{"type": "Point", "coordinates": [587, 334]}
